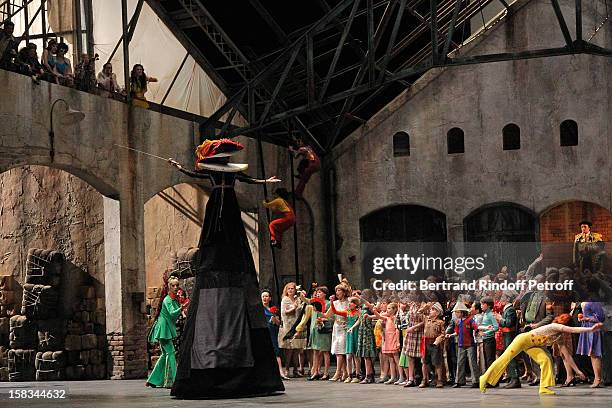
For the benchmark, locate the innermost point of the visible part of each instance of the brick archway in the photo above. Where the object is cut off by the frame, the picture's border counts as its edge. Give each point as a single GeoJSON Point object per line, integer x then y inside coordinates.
{"type": "Point", "coordinates": [559, 224]}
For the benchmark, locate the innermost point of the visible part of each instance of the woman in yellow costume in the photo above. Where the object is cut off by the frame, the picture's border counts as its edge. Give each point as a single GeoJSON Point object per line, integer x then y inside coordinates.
{"type": "Point", "coordinates": [532, 343]}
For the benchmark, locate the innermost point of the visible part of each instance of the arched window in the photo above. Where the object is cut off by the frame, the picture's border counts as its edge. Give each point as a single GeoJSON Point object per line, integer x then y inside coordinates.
{"type": "Point", "coordinates": [569, 133]}
{"type": "Point", "coordinates": [454, 139]}
{"type": "Point", "coordinates": [401, 144]}
{"type": "Point", "coordinates": [512, 137]}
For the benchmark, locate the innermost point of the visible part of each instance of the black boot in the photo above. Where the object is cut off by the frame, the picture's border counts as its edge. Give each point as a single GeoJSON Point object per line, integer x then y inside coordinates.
{"type": "Point", "coordinates": [534, 382]}
{"type": "Point", "coordinates": [514, 383]}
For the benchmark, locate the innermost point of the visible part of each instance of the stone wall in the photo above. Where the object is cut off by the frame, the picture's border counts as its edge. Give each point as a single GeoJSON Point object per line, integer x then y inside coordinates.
{"type": "Point", "coordinates": [43, 207]}
{"type": "Point", "coordinates": [173, 220]}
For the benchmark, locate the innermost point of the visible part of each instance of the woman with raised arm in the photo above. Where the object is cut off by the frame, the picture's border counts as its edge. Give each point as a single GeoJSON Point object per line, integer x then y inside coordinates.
{"type": "Point", "coordinates": [531, 343]}
{"type": "Point", "coordinates": [338, 344]}
{"type": "Point", "coordinates": [226, 350]}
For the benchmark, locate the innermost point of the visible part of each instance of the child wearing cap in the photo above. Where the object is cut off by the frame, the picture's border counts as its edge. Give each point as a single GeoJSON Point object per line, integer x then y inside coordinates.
{"type": "Point", "coordinates": [431, 348]}
{"type": "Point", "coordinates": [463, 328]}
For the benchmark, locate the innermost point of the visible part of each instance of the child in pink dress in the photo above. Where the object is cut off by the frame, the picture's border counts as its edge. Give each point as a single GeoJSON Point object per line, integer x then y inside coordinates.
{"type": "Point", "coordinates": [391, 345]}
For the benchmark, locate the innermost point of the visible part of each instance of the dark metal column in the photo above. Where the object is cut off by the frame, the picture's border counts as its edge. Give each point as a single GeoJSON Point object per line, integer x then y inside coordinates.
{"type": "Point", "coordinates": [126, 48]}
{"type": "Point", "coordinates": [78, 30]}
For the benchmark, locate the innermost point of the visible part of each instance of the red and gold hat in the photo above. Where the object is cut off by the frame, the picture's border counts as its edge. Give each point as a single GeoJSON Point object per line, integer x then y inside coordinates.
{"type": "Point", "coordinates": [209, 153]}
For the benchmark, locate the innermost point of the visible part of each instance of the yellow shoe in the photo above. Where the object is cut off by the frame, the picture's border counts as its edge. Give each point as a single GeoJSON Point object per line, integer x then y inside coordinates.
{"type": "Point", "coordinates": [546, 391]}
{"type": "Point", "coordinates": [483, 384]}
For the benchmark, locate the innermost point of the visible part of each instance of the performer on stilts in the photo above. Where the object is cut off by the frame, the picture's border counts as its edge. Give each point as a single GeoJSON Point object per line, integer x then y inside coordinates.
{"type": "Point", "coordinates": [308, 166]}
{"type": "Point", "coordinates": [226, 350]}
{"type": "Point", "coordinates": [531, 343]}
{"type": "Point", "coordinates": [164, 332]}
{"type": "Point", "coordinates": [280, 205]}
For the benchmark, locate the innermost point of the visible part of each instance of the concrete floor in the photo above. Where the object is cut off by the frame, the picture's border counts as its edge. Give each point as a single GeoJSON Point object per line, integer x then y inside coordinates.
{"type": "Point", "coordinates": [301, 393]}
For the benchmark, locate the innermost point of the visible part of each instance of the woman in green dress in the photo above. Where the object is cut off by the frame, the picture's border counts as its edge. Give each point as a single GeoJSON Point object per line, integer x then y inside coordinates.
{"type": "Point", "coordinates": [319, 339]}
{"type": "Point", "coordinates": [164, 332]}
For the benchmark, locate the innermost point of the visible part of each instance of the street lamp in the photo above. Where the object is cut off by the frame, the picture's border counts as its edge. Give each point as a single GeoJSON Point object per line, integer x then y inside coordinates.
{"type": "Point", "coordinates": [70, 117]}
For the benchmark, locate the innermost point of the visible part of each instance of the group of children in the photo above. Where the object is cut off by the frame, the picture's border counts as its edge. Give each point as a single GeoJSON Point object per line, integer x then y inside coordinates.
{"type": "Point", "coordinates": [423, 343]}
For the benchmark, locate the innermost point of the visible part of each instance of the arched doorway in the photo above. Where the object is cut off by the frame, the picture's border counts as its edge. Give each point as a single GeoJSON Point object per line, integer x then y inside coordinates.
{"type": "Point", "coordinates": [559, 226]}
{"type": "Point", "coordinates": [46, 212]}
{"type": "Point", "coordinates": [403, 223]}
{"type": "Point", "coordinates": [510, 232]}
{"type": "Point", "coordinates": [410, 230]}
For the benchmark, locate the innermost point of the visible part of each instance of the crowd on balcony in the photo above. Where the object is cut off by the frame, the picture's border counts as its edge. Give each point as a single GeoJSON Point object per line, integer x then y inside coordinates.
{"type": "Point", "coordinates": [53, 66]}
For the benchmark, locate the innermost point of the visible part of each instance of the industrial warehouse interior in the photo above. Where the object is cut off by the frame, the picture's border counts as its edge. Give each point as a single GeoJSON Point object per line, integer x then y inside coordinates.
{"type": "Point", "coordinates": [254, 202]}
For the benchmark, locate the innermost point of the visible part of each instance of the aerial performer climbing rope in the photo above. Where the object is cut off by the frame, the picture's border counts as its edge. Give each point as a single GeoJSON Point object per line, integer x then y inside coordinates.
{"type": "Point", "coordinates": [280, 205]}
{"type": "Point", "coordinates": [308, 165]}
{"type": "Point", "coordinates": [226, 349]}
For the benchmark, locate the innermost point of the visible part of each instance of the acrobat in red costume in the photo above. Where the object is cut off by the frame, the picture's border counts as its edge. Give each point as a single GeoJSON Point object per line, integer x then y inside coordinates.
{"type": "Point", "coordinates": [308, 166]}
{"type": "Point", "coordinates": [280, 205]}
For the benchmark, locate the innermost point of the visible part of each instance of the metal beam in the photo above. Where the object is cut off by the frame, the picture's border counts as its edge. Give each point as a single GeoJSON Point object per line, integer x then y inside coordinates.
{"type": "Point", "coordinates": [420, 69]}
{"type": "Point", "coordinates": [270, 68]}
{"type": "Point", "coordinates": [76, 7]}
{"type": "Point", "coordinates": [422, 19]}
{"type": "Point", "coordinates": [451, 29]}
{"type": "Point", "coordinates": [413, 35]}
{"type": "Point", "coordinates": [578, 20]}
{"type": "Point", "coordinates": [339, 47]}
{"type": "Point", "coordinates": [265, 14]}
{"type": "Point", "coordinates": [130, 31]}
{"type": "Point", "coordinates": [563, 25]}
{"type": "Point", "coordinates": [186, 42]}
{"type": "Point", "coordinates": [217, 26]}
{"type": "Point", "coordinates": [394, 31]}
{"type": "Point", "coordinates": [370, 53]}
{"type": "Point", "coordinates": [348, 103]}
{"type": "Point", "coordinates": [280, 83]}
{"type": "Point", "coordinates": [44, 22]}
{"type": "Point", "coordinates": [433, 10]}
{"type": "Point", "coordinates": [310, 74]}
{"type": "Point", "coordinates": [134, 20]}
{"type": "Point", "coordinates": [27, 30]}
{"type": "Point", "coordinates": [178, 71]}
{"type": "Point", "coordinates": [89, 26]}
{"type": "Point", "coordinates": [126, 49]}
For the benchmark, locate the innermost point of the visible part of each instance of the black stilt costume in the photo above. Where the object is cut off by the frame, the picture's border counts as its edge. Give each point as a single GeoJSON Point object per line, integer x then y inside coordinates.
{"type": "Point", "coordinates": [226, 350]}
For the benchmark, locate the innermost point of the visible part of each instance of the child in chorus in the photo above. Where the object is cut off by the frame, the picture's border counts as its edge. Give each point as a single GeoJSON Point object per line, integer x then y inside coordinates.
{"type": "Point", "coordinates": [462, 327]}
{"type": "Point", "coordinates": [391, 344]}
{"type": "Point", "coordinates": [431, 345]}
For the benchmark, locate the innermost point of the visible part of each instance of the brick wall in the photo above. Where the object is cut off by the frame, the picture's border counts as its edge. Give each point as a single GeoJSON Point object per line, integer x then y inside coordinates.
{"type": "Point", "coordinates": [560, 225]}
{"type": "Point", "coordinates": [128, 354]}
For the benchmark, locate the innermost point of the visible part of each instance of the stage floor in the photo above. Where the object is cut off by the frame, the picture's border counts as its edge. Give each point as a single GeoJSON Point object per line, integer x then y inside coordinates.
{"type": "Point", "coordinates": [301, 393]}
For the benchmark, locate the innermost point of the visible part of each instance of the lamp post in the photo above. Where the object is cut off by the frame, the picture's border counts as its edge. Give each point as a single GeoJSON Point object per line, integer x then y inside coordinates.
{"type": "Point", "coordinates": [70, 117]}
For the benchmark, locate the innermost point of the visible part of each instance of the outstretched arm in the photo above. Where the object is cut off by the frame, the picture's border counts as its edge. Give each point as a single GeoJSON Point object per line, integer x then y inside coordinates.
{"type": "Point", "coordinates": [250, 180]}
{"type": "Point", "coordinates": [188, 172]}
{"type": "Point", "coordinates": [338, 312]}
{"type": "Point", "coordinates": [575, 330]}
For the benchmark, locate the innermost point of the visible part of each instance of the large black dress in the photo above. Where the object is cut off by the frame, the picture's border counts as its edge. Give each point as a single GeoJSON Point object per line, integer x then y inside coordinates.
{"type": "Point", "coordinates": [226, 349]}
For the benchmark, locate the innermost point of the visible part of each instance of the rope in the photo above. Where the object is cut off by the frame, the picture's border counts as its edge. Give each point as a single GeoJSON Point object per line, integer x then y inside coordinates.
{"type": "Point", "coordinates": [295, 236]}
{"type": "Point", "coordinates": [598, 27]}
{"type": "Point", "coordinates": [263, 176]}
{"type": "Point", "coordinates": [37, 266]}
